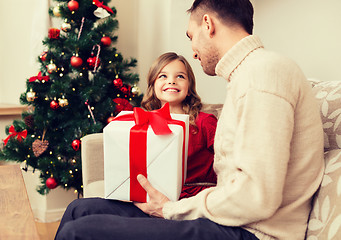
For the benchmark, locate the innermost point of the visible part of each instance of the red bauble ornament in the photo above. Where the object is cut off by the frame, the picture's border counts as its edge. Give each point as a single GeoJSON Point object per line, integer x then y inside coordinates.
{"type": "Point", "coordinates": [93, 62]}
{"type": "Point", "coordinates": [54, 104]}
{"type": "Point", "coordinates": [76, 144]}
{"type": "Point", "coordinates": [106, 41]}
{"type": "Point", "coordinates": [110, 119]}
{"type": "Point", "coordinates": [118, 82]}
{"type": "Point", "coordinates": [76, 61]}
{"type": "Point", "coordinates": [125, 89]}
{"type": "Point", "coordinates": [51, 183]}
{"type": "Point", "coordinates": [73, 5]}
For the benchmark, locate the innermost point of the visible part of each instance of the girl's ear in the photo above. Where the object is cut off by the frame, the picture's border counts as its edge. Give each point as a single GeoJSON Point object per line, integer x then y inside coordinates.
{"type": "Point", "coordinates": [208, 24]}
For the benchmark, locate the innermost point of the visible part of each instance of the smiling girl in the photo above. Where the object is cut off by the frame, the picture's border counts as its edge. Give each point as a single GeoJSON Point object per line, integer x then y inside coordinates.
{"type": "Point", "coordinates": [171, 79]}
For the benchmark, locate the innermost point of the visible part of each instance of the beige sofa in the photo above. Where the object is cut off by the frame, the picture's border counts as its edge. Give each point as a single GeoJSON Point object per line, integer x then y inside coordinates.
{"type": "Point", "coordinates": [325, 219]}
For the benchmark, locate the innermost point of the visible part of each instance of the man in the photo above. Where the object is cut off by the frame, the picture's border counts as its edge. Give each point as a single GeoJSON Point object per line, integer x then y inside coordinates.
{"type": "Point", "coordinates": [268, 147]}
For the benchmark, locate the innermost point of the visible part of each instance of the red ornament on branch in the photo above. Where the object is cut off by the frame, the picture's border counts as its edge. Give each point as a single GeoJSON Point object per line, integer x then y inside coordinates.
{"type": "Point", "coordinates": [73, 5]}
{"type": "Point", "coordinates": [39, 78]}
{"type": "Point", "coordinates": [76, 61]}
{"type": "Point", "coordinates": [20, 135]}
{"type": "Point", "coordinates": [93, 62]}
{"type": "Point", "coordinates": [106, 41]}
{"type": "Point", "coordinates": [54, 33]}
{"type": "Point", "coordinates": [43, 56]}
{"type": "Point", "coordinates": [54, 104]}
{"type": "Point", "coordinates": [118, 82]}
{"type": "Point", "coordinates": [51, 183]}
{"type": "Point", "coordinates": [76, 144]}
{"type": "Point", "coordinates": [122, 104]}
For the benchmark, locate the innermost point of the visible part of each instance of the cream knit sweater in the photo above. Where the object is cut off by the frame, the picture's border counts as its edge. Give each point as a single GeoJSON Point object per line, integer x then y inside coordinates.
{"type": "Point", "coordinates": [268, 148]}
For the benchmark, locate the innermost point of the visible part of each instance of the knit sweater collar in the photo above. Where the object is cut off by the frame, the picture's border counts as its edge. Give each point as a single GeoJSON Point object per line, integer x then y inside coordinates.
{"type": "Point", "coordinates": [233, 58]}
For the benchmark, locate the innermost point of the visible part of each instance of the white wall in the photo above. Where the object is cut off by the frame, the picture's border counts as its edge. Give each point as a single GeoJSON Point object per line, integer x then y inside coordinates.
{"type": "Point", "coordinates": [307, 31]}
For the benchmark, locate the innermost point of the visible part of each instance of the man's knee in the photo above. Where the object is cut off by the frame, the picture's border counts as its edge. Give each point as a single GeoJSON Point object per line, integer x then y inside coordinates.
{"type": "Point", "coordinates": [68, 232]}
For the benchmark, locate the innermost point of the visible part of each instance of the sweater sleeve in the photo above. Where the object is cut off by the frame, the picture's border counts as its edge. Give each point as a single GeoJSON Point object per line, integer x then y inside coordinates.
{"type": "Point", "coordinates": [250, 188]}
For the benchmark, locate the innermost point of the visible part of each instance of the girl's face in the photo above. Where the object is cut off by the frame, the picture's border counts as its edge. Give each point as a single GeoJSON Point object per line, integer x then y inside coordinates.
{"type": "Point", "coordinates": [171, 85]}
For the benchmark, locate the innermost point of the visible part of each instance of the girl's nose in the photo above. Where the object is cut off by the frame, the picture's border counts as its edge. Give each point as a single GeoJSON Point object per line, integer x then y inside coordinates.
{"type": "Point", "coordinates": [171, 80]}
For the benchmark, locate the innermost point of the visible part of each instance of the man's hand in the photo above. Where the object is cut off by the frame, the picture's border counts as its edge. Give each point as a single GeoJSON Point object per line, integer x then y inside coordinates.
{"type": "Point", "coordinates": [156, 199]}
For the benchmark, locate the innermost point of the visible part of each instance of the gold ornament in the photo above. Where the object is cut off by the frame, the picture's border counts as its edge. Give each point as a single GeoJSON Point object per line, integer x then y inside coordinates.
{"type": "Point", "coordinates": [56, 11]}
{"type": "Point", "coordinates": [66, 27]}
{"type": "Point", "coordinates": [51, 67]}
{"type": "Point", "coordinates": [63, 102]}
{"type": "Point", "coordinates": [135, 90]}
{"type": "Point", "coordinates": [30, 96]}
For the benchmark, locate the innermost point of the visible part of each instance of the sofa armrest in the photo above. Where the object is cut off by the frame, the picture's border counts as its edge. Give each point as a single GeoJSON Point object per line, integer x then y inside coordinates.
{"type": "Point", "coordinates": [93, 165]}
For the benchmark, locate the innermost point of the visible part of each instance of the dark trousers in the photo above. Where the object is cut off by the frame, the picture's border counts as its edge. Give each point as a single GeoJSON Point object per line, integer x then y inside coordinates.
{"type": "Point", "coordinates": [96, 218]}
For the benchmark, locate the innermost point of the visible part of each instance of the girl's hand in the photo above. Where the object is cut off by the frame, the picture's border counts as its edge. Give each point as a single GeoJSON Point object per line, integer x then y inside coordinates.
{"type": "Point", "coordinates": [156, 199]}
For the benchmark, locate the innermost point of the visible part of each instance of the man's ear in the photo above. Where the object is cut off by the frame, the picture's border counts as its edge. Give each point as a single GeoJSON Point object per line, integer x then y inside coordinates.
{"type": "Point", "coordinates": [208, 24]}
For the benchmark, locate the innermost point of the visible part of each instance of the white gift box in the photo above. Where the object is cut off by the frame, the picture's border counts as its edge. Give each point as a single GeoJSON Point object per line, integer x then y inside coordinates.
{"type": "Point", "coordinates": [166, 163]}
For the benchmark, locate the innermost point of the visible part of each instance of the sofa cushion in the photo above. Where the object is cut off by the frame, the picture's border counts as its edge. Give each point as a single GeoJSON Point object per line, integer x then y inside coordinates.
{"type": "Point", "coordinates": [328, 94]}
{"type": "Point", "coordinates": [214, 109]}
{"type": "Point", "coordinates": [325, 219]}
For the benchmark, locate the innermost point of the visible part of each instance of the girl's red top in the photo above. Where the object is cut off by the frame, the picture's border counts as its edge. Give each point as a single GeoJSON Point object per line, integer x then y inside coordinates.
{"type": "Point", "coordinates": [200, 155]}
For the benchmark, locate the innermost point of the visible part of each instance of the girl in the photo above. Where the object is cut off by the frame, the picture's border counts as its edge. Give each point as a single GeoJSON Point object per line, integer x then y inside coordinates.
{"type": "Point", "coordinates": [171, 79]}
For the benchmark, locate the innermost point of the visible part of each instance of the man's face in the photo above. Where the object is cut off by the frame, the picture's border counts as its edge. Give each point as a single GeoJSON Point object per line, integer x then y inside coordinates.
{"type": "Point", "coordinates": [202, 46]}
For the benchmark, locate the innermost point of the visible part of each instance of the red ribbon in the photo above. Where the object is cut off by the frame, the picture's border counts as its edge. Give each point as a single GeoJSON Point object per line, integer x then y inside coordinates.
{"type": "Point", "coordinates": [39, 77]}
{"type": "Point", "coordinates": [13, 133]}
{"type": "Point", "coordinates": [101, 5]}
{"type": "Point", "coordinates": [158, 120]}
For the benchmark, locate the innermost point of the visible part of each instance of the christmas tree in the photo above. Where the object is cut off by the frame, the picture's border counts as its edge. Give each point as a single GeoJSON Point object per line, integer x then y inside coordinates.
{"type": "Point", "coordinates": [83, 82]}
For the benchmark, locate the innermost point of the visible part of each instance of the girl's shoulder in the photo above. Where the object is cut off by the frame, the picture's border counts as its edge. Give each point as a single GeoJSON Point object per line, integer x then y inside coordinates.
{"type": "Point", "coordinates": [206, 118]}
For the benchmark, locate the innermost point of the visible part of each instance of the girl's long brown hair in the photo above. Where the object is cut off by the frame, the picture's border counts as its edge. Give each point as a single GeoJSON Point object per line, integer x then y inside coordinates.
{"type": "Point", "coordinates": [192, 103]}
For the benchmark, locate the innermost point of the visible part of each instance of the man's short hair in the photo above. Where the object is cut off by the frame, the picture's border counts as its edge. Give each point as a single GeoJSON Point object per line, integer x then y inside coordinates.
{"type": "Point", "coordinates": [231, 12]}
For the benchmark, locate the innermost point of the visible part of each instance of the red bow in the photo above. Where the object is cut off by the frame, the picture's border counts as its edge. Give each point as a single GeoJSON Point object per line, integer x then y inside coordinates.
{"type": "Point", "coordinates": [157, 119]}
{"type": "Point", "coordinates": [101, 5]}
{"type": "Point", "coordinates": [39, 77]}
{"type": "Point", "coordinates": [13, 133]}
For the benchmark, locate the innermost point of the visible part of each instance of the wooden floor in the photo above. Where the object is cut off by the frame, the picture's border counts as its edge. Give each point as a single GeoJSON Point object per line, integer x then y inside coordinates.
{"type": "Point", "coordinates": [47, 231]}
